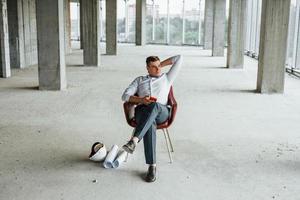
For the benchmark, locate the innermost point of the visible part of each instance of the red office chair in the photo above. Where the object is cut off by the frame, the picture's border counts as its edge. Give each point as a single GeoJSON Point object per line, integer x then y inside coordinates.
{"type": "Point", "coordinates": [129, 114]}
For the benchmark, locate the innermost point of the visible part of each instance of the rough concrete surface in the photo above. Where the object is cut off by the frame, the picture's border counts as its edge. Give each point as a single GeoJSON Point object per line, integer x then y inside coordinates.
{"type": "Point", "coordinates": [230, 142]}
{"type": "Point", "coordinates": [273, 46]}
{"type": "Point", "coordinates": [111, 27]}
{"type": "Point", "coordinates": [236, 33]}
{"type": "Point", "coordinates": [140, 24]}
{"type": "Point", "coordinates": [91, 33]}
{"type": "Point", "coordinates": [5, 71]}
{"type": "Point", "coordinates": [51, 55]}
{"type": "Point", "coordinates": [219, 21]}
{"type": "Point", "coordinates": [208, 23]}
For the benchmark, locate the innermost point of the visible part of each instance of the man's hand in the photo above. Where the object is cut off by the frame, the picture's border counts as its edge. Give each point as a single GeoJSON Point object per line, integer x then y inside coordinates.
{"type": "Point", "coordinates": [147, 100]}
{"type": "Point", "coordinates": [143, 100]}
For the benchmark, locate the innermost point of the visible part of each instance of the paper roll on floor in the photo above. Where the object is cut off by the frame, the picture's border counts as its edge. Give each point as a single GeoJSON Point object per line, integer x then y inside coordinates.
{"type": "Point", "coordinates": [108, 162]}
{"type": "Point", "coordinates": [120, 159]}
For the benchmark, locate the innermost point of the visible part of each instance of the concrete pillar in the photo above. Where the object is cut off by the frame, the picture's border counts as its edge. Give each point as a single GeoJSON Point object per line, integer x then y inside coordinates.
{"type": "Point", "coordinates": [168, 23]}
{"type": "Point", "coordinates": [91, 33]}
{"type": "Point", "coordinates": [140, 23]}
{"type": "Point", "coordinates": [67, 12]}
{"type": "Point", "coordinates": [16, 37]}
{"type": "Point", "coordinates": [51, 45]}
{"type": "Point", "coordinates": [273, 45]}
{"type": "Point", "coordinates": [200, 40]}
{"type": "Point", "coordinates": [219, 19]}
{"type": "Point", "coordinates": [236, 34]}
{"type": "Point", "coordinates": [208, 23]}
{"type": "Point", "coordinates": [111, 27]}
{"type": "Point", "coordinates": [298, 51]}
{"type": "Point", "coordinates": [30, 32]}
{"type": "Point", "coordinates": [22, 31]}
{"type": "Point", "coordinates": [183, 22]}
{"type": "Point", "coordinates": [81, 24]}
{"type": "Point", "coordinates": [4, 42]}
{"type": "Point", "coordinates": [297, 35]}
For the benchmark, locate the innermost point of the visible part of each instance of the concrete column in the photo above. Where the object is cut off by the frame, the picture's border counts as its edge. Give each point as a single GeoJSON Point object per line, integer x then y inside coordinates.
{"type": "Point", "coordinates": [111, 27]}
{"type": "Point", "coordinates": [22, 31]}
{"type": "Point", "coordinates": [298, 49]}
{"type": "Point", "coordinates": [4, 42]}
{"type": "Point", "coordinates": [126, 21]}
{"type": "Point", "coordinates": [101, 19]}
{"type": "Point", "coordinates": [153, 20]}
{"type": "Point", "coordinates": [67, 12]}
{"type": "Point", "coordinates": [200, 25]}
{"type": "Point", "coordinates": [51, 45]}
{"type": "Point", "coordinates": [208, 23]}
{"type": "Point", "coordinates": [16, 37]}
{"type": "Point", "coordinates": [183, 22]}
{"type": "Point", "coordinates": [219, 19]}
{"type": "Point", "coordinates": [273, 45]}
{"type": "Point", "coordinates": [91, 33]}
{"type": "Point", "coordinates": [236, 34]}
{"type": "Point", "coordinates": [81, 24]}
{"type": "Point", "coordinates": [296, 42]}
{"type": "Point", "coordinates": [30, 32]}
{"type": "Point", "coordinates": [168, 23]}
{"type": "Point", "coordinates": [140, 26]}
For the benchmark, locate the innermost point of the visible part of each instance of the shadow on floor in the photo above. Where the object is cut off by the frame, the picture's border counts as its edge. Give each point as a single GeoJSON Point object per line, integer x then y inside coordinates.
{"type": "Point", "coordinates": [25, 88]}
{"type": "Point", "coordinates": [220, 67]}
{"type": "Point", "coordinates": [74, 65]}
{"type": "Point", "coordinates": [253, 91]}
{"type": "Point", "coordinates": [105, 54]}
{"type": "Point", "coordinates": [78, 159]}
{"type": "Point", "coordinates": [199, 56]}
{"type": "Point", "coordinates": [139, 174]}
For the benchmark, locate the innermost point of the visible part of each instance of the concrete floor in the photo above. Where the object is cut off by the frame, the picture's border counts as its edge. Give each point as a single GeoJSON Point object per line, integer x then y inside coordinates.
{"type": "Point", "coordinates": [230, 142]}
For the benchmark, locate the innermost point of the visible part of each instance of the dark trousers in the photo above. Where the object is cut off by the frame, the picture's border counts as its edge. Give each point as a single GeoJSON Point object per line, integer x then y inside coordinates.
{"type": "Point", "coordinates": [147, 117]}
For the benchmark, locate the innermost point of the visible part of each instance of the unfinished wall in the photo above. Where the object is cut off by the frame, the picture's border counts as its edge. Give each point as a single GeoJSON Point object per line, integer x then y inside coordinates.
{"type": "Point", "coordinates": [22, 31]}
{"type": "Point", "coordinates": [4, 41]}
{"type": "Point", "coordinates": [12, 13]}
{"type": "Point", "coordinates": [30, 35]}
{"type": "Point", "coordinates": [67, 18]}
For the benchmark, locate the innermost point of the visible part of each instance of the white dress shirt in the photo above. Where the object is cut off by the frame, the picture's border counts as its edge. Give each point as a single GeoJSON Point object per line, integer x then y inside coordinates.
{"type": "Point", "coordinates": [157, 87]}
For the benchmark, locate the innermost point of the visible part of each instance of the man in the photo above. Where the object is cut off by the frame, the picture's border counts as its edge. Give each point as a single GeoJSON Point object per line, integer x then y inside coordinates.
{"type": "Point", "coordinates": [150, 92]}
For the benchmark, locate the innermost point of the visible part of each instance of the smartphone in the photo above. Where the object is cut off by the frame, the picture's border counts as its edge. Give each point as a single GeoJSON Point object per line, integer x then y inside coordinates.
{"type": "Point", "coordinates": [153, 98]}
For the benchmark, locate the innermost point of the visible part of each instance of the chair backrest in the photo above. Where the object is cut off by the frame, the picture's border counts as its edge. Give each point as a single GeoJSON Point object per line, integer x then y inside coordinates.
{"type": "Point", "coordinates": [128, 107]}
{"type": "Point", "coordinates": [171, 102]}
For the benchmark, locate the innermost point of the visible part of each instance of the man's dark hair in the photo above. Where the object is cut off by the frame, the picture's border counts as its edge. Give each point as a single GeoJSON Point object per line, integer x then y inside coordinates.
{"type": "Point", "coordinates": [151, 59]}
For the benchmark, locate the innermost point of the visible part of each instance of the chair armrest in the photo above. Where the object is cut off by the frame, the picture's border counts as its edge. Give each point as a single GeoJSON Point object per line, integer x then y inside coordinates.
{"type": "Point", "coordinates": [129, 111]}
{"type": "Point", "coordinates": [172, 114]}
{"type": "Point", "coordinates": [173, 104]}
{"type": "Point", "coordinates": [171, 99]}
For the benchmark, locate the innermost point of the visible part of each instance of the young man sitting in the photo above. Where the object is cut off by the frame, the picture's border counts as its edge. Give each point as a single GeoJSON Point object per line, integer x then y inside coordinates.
{"type": "Point", "coordinates": [150, 92]}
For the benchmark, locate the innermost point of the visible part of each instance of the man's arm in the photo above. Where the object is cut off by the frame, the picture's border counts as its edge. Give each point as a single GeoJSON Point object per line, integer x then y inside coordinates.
{"type": "Point", "coordinates": [166, 62]}
{"type": "Point", "coordinates": [143, 100]}
{"type": "Point", "coordinates": [131, 90]}
{"type": "Point", "coordinates": [175, 61]}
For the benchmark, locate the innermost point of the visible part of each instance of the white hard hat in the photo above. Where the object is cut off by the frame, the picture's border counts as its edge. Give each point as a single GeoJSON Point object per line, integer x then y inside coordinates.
{"type": "Point", "coordinates": [98, 152]}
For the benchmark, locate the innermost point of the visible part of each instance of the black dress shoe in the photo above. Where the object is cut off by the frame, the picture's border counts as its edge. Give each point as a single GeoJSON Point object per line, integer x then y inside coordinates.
{"type": "Point", "coordinates": [129, 147]}
{"type": "Point", "coordinates": [151, 175]}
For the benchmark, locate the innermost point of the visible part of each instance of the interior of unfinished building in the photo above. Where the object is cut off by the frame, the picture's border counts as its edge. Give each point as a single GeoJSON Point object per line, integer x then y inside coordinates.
{"type": "Point", "coordinates": [64, 65]}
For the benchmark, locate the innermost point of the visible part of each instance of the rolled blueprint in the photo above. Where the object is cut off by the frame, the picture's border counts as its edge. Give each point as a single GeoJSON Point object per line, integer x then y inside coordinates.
{"type": "Point", "coordinates": [108, 162]}
{"type": "Point", "coordinates": [120, 159]}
